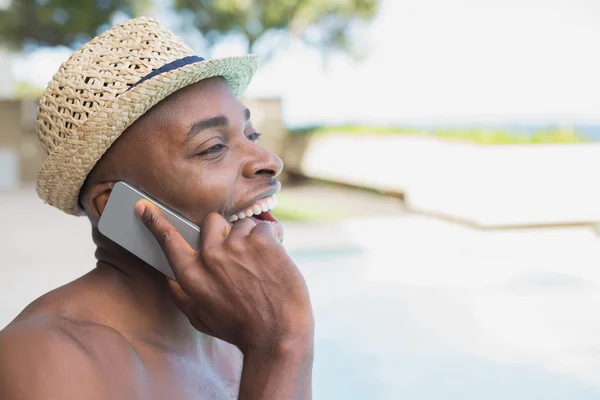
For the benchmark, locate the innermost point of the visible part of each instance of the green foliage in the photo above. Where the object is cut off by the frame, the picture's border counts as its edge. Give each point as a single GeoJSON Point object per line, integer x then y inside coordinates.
{"type": "Point", "coordinates": [25, 90]}
{"type": "Point", "coordinates": [475, 135]}
{"type": "Point", "coordinates": [355, 130]}
{"type": "Point", "coordinates": [496, 136]}
{"type": "Point", "coordinates": [60, 22]}
{"type": "Point", "coordinates": [558, 136]}
{"type": "Point", "coordinates": [325, 24]}
{"type": "Point", "coordinates": [299, 214]}
{"type": "Point", "coordinates": [300, 208]}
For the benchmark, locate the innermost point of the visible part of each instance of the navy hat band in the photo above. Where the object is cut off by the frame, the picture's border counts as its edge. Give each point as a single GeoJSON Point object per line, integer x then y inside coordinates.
{"type": "Point", "coordinates": [182, 62]}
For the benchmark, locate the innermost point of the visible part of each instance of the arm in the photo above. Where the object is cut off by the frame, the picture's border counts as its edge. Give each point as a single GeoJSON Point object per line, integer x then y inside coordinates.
{"type": "Point", "coordinates": [283, 373]}
{"type": "Point", "coordinates": [44, 363]}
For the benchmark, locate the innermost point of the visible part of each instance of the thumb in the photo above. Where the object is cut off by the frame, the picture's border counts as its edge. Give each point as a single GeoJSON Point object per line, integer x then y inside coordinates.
{"type": "Point", "coordinates": [176, 249]}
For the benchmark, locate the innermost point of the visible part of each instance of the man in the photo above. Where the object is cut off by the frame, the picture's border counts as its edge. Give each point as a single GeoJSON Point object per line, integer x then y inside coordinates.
{"type": "Point", "coordinates": [136, 105]}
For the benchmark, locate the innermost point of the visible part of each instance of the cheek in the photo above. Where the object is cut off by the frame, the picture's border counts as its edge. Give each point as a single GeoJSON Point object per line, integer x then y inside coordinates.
{"type": "Point", "coordinates": [204, 192]}
{"type": "Point", "coordinates": [190, 187]}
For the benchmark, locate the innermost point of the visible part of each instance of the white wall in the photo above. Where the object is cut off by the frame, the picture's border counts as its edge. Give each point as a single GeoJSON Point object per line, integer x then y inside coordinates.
{"type": "Point", "coordinates": [9, 169]}
{"type": "Point", "coordinates": [7, 84]}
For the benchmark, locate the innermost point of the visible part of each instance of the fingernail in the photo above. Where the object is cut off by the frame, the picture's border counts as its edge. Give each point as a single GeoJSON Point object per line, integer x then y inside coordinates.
{"type": "Point", "coordinates": [274, 231]}
{"type": "Point", "coordinates": [140, 207]}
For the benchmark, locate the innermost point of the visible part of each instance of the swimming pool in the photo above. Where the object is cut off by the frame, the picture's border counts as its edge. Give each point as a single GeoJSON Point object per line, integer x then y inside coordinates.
{"type": "Point", "coordinates": [442, 312]}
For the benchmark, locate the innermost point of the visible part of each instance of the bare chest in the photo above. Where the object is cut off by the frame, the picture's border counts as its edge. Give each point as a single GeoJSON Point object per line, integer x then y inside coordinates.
{"type": "Point", "coordinates": [156, 375]}
{"type": "Point", "coordinates": [184, 378]}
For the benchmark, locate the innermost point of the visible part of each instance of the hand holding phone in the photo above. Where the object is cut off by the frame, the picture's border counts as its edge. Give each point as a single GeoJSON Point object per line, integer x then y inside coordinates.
{"type": "Point", "coordinates": [240, 285]}
{"type": "Point", "coordinates": [234, 282]}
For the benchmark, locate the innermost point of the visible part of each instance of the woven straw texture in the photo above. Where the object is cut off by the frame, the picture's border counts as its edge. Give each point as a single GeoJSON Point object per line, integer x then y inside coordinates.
{"type": "Point", "coordinates": [94, 97]}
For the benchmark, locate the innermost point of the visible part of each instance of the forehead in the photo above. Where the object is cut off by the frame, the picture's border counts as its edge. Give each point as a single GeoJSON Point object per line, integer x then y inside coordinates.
{"type": "Point", "coordinates": [207, 98]}
{"type": "Point", "coordinates": [169, 121]}
{"type": "Point", "coordinates": [167, 124]}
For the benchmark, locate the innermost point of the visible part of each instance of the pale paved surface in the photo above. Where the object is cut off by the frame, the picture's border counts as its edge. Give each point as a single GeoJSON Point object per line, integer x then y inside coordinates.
{"type": "Point", "coordinates": [488, 186]}
{"type": "Point", "coordinates": [407, 307]}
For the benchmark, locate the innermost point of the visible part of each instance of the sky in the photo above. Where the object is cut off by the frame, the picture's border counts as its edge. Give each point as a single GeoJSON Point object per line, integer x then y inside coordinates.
{"type": "Point", "coordinates": [435, 62]}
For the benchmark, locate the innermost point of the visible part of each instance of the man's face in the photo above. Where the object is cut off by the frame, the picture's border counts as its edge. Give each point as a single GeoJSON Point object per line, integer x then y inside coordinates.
{"type": "Point", "coordinates": [196, 152]}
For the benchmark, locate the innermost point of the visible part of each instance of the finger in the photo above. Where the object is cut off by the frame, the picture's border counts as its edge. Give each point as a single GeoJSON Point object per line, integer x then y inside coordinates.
{"type": "Point", "coordinates": [176, 249]}
{"type": "Point", "coordinates": [187, 305]}
{"type": "Point", "coordinates": [214, 228]}
{"type": "Point", "coordinates": [180, 297]}
{"type": "Point", "coordinates": [265, 231]}
{"type": "Point", "coordinates": [241, 229]}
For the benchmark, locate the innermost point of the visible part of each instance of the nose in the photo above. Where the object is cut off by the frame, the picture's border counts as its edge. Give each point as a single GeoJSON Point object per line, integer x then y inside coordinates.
{"type": "Point", "coordinates": [262, 162]}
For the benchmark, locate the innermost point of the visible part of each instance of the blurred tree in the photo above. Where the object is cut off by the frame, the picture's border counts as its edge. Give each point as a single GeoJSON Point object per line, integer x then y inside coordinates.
{"type": "Point", "coordinates": [322, 24]}
{"type": "Point", "coordinates": [60, 22]}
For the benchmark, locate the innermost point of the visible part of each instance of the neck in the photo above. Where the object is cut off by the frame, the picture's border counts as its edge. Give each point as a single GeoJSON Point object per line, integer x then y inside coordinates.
{"type": "Point", "coordinates": [142, 295]}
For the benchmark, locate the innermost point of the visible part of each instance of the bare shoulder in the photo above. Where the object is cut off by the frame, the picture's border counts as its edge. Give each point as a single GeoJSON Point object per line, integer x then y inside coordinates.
{"type": "Point", "coordinates": [47, 357]}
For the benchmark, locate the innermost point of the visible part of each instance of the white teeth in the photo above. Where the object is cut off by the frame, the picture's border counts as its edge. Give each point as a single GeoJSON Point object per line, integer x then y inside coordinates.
{"type": "Point", "coordinates": [264, 205]}
{"type": "Point", "coordinates": [273, 203]}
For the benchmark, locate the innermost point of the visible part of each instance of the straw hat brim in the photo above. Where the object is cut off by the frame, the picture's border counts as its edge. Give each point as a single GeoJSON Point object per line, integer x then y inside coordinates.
{"type": "Point", "coordinates": [66, 168]}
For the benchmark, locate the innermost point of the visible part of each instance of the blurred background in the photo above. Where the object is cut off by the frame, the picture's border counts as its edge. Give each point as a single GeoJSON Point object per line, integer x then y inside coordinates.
{"type": "Point", "coordinates": [440, 192]}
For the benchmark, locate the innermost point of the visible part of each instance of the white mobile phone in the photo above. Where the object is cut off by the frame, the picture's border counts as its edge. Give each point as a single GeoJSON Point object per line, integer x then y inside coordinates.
{"type": "Point", "coordinates": [121, 224]}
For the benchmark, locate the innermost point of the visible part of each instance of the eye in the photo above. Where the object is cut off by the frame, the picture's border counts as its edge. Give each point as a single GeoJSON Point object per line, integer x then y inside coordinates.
{"type": "Point", "coordinates": [254, 136]}
{"type": "Point", "coordinates": [215, 149]}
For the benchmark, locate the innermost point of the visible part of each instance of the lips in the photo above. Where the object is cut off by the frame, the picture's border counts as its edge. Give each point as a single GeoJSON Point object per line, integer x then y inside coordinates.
{"type": "Point", "coordinates": [260, 211]}
{"type": "Point", "coordinates": [263, 205]}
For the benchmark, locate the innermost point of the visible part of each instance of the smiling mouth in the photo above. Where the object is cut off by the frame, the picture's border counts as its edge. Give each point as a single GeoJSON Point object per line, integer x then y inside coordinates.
{"type": "Point", "coordinates": [259, 210]}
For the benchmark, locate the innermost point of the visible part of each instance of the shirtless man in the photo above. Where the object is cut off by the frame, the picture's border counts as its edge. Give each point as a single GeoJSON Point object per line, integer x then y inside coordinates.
{"type": "Point", "coordinates": [239, 323]}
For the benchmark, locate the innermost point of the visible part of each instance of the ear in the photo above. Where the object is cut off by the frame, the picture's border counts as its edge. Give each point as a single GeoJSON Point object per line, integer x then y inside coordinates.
{"type": "Point", "coordinates": [94, 198]}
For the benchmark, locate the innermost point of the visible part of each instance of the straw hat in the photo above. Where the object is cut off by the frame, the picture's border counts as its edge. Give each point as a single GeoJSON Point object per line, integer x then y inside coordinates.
{"type": "Point", "coordinates": [104, 88]}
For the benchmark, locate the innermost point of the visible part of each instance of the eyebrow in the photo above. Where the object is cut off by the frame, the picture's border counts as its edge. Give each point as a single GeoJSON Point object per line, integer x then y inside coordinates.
{"type": "Point", "coordinates": [214, 122]}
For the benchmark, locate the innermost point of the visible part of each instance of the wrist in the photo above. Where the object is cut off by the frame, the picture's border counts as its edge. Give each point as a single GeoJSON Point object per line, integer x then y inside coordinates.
{"type": "Point", "coordinates": [282, 370]}
{"type": "Point", "coordinates": [298, 345]}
